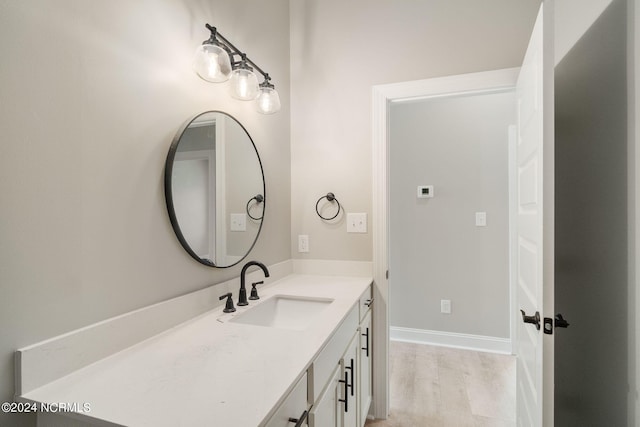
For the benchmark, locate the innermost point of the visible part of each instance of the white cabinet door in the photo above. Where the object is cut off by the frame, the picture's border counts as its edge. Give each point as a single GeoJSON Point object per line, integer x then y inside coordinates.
{"type": "Point", "coordinates": [293, 411]}
{"type": "Point", "coordinates": [349, 381]}
{"type": "Point", "coordinates": [364, 374]}
{"type": "Point", "coordinates": [327, 410]}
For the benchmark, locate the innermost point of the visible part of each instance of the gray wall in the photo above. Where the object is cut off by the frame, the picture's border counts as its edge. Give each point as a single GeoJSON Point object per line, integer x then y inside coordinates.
{"type": "Point", "coordinates": [92, 94]}
{"type": "Point", "coordinates": [339, 50]}
{"type": "Point", "coordinates": [633, 79]}
{"type": "Point", "coordinates": [591, 288]}
{"type": "Point", "coordinates": [459, 144]}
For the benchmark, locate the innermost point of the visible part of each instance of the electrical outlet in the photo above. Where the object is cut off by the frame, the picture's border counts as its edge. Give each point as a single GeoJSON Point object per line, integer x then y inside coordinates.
{"type": "Point", "coordinates": [303, 243]}
{"type": "Point", "coordinates": [445, 306]}
{"type": "Point", "coordinates": [481, 219]}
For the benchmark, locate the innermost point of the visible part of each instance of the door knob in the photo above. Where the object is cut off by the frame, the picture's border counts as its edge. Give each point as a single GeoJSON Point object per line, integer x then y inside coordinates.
{"type": "Point", "coordinates": [560, 322]}
{"type": "Point", "coordinates": [535, 319]}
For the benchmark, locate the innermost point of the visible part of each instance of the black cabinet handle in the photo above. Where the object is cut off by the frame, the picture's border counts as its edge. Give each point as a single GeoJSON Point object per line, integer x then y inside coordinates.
{"type": "Point", "coordinates": [300, 420]}
{"type": "Point", "coordinates": [535, 319]}
{"type": "Point", "coordinates": [346, 393]}
{"type": "Point", "coordinates": [366, 334]}
{"type": "Point", "coordinates": [350, 368]}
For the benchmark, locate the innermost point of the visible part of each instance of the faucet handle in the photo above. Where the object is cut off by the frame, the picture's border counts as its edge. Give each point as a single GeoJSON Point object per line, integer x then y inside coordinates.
{"type": "Point", "coordinates": [228, 308]}
{"type": "Point", "coordinates": [254, 291]}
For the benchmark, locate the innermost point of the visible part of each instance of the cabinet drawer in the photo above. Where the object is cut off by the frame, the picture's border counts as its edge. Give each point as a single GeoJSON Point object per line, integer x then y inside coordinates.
{"type": "Point", "coordinates": [294, 406]}
{"type": "Point", "coordinates": [366, 299]}
{"type": "Point", "coordinates": [326, 362]}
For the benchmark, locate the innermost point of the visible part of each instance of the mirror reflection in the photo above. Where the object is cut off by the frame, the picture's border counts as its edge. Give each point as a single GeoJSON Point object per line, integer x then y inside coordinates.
{"type": "Point", "coordinates": [214, 186]}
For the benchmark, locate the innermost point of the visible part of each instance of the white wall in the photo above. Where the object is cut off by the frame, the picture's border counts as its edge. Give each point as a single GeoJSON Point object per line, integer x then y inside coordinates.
{"type": "Point", "coordinates": [91, 95]}
{"type": "Point", "coordinates": [459, 144]}
{"type": "Point", "coordinates": [340, 50]}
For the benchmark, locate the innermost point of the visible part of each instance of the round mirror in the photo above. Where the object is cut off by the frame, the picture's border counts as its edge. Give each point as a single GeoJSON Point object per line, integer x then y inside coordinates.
{"type": "Point", "coordinates": [214, 188]}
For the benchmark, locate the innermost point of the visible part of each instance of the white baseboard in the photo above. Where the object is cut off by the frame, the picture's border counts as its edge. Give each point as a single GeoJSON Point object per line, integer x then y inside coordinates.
{"type": "Point", "coordinates": [451, 339]}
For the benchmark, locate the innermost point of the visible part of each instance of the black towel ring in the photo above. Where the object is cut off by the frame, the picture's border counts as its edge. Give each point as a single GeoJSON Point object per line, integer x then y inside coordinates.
{"type": "Point", "coordinates": [330, 197]}
{"type": "Point", "coordinates": [259, 199]}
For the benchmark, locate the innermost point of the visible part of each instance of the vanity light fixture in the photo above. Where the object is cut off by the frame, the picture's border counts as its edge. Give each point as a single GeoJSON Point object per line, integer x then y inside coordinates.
{"type": "Point", "coordinates": [244, 83]}
{"type": "Point", "coordinates": [218, 60]}
{"type": "Point", "coordinates": [211, 60]}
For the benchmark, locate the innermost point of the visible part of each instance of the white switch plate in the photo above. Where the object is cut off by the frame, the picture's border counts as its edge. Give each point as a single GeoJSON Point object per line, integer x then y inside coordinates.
{"type": "Point", "coordinates": [445, 306]}
{"type": "Point", "coordinates": [239, 222]}
{"type": "Point", "coordinates": [481, 219]}
{"type": "Point", "coordinates": [357, 223]}
{"type": "Point", "coordinates": [303, 243]}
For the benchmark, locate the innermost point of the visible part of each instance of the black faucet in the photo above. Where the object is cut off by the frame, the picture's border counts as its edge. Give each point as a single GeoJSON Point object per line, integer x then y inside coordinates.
{"type": "Point", "coordinates": [242, 298]}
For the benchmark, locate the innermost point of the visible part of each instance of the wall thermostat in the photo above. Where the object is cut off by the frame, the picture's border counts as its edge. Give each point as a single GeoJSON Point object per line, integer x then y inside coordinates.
{"type": "Point", "coordinates": [425, 191]}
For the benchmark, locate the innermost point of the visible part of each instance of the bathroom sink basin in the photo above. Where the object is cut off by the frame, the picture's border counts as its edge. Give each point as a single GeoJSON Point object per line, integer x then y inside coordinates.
{"type": "Point", "coordinates": [284, 312]}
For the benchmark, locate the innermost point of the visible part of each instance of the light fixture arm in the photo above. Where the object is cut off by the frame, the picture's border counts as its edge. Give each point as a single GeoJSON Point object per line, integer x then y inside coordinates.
{"type": "Point", "coordinates": [215, 35]}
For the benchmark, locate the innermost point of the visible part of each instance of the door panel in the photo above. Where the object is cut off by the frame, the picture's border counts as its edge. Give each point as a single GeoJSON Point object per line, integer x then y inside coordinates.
{"type": "Point", "coordinates": [364, 376]}
{"type": "Point", "coordinates": [326, 412]}
{"type": "Point", "coordinates": [534, 158]}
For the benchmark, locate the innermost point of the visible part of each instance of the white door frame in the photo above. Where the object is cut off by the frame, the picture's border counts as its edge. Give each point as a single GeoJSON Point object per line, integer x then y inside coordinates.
{"type": "Point", "coordinates": [382, 97]}
{"type": "Point", "coordinates": [209, 157]}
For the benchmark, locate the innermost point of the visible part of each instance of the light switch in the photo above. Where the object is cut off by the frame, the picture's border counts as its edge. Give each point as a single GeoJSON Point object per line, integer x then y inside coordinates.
{"type": "Point", "coordinates": [239, 222]}
{"type": "Point", "coordinates": [481, 219]}
{"type": "Point", "coordinates": [445, 306]}
{"type": "Point", "coordinates": [357, 223]}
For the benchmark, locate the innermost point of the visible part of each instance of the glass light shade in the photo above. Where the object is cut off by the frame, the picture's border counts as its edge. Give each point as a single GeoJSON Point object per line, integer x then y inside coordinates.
{"type": "Point", "coordinates": [244, 84]}
{"type": "Point", "coordinates": [212, 63]}
{"type": "Point", "coordinates": [268, 101]}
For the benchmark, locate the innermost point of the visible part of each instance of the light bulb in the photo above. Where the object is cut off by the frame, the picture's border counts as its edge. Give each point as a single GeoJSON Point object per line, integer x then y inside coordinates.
{"type": "Point", "coordinates": [244, 84]}
{"type": "Point", "coordinates": [268, 100]}
{"type": "Point", "coordinates": [212, 63]}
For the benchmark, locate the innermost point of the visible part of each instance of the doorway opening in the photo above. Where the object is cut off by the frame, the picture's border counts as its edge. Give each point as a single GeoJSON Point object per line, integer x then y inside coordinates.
{"type": "Point", "coordinates": [449, 250]}
{"type": "Point", "coordinates": [383, 97]}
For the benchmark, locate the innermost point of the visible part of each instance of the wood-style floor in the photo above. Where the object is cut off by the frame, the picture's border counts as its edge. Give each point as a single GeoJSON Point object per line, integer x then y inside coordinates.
{"type": "Point", "coordinates": [447, 387]}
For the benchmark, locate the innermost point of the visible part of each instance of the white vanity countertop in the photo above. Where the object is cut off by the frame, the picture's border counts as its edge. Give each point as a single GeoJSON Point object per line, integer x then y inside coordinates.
{"type": "Point", "coordinates": [208, 371]}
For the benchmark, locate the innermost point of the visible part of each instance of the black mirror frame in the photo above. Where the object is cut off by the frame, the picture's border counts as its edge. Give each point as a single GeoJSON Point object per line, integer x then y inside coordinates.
{"type": "Point", "coordinates": [168, 194]}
